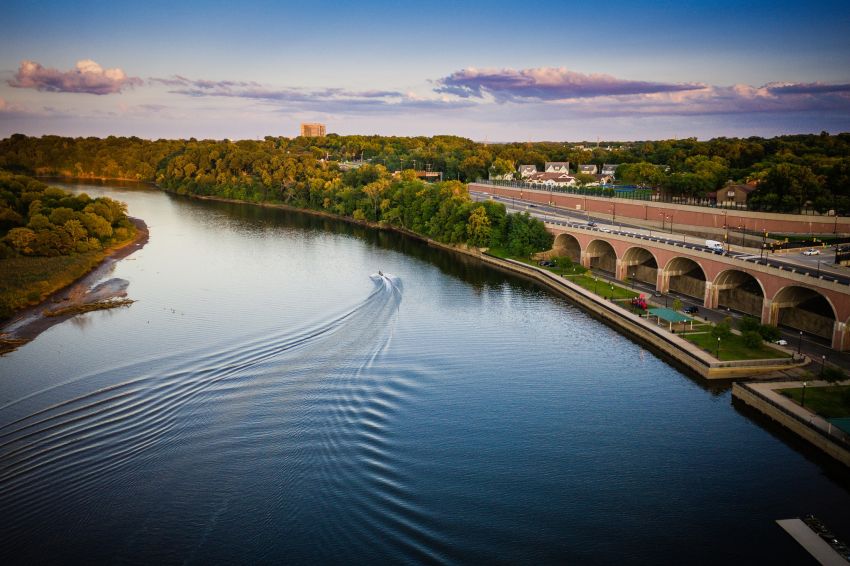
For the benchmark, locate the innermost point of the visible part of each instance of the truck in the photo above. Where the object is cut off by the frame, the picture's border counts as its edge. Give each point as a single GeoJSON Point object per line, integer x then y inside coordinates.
{"type": "Point", "coordinates": [715, 246]}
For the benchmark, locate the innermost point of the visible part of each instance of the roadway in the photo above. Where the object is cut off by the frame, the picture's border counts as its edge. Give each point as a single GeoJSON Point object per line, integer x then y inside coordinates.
{"type": "Point", "coordinates": [814, 266]}
{"type": "Point", "coordinates": [817, 348]}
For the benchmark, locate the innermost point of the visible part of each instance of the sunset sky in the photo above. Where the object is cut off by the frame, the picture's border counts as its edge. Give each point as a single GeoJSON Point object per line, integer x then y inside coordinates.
{"type": "Point", "coordinates": [497, 71]}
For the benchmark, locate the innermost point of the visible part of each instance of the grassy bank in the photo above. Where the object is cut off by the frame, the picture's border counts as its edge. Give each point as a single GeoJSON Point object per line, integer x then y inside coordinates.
{"type": "Point", "coordinates": [832, 401]}
{"type": "Point", "coordinates": [27, 281]}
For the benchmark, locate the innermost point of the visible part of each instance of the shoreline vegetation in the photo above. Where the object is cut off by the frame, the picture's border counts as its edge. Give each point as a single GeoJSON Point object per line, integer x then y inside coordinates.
{"type": "Point", "coordinates": [53, 246]}
{"type": "Point", "coordinates": [506, 248]}
{"type": "Point", "coordinates": [77, 296]}
{"type": "Point", "coordinates": [293, 174]}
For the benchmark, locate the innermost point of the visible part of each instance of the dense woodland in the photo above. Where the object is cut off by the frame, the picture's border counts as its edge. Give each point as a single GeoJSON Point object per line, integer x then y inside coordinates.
{"type": "Point", "coordinates": [37, 220]}
{"type": "Point", "coordinates": [793, 171]}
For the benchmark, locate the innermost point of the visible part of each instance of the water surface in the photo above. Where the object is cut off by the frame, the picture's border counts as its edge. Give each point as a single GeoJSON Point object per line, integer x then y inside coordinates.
{"type": "Point", "coordinates": [268, 399]}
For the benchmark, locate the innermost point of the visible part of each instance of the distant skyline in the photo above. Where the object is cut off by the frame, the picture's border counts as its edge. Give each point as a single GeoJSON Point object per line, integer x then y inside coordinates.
{"type": "Point", "coordinates": [497, 71]}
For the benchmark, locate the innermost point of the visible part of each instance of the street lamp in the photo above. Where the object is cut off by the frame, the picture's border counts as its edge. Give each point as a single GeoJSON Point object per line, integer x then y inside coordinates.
{"type": "Point", "coordinates": [596, 285]}
{"type": "Point", "coordinates": [718, 348]}
{"type": "Point", "coordinates": [800, 343]}
{"type": "Point", "coordinates": [633, 279]}
{"type": "Point", "coordinates": [822, 364]}
{"type": "Point", "coordinates": [663, 218]}
{"type": "Point", "coordinates": [671, 223]}
{"type": "Point", "coordinates": [803, 396]}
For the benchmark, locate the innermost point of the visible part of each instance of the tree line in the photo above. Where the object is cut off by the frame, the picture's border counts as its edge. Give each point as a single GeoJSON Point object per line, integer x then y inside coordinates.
{"type": "Point", "coordinates": [38, 220]}
{"type": "Point", "coordinates": [792, 172]}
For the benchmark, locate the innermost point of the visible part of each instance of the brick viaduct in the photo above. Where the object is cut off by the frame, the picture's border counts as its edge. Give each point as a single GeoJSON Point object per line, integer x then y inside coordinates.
{"type": "Point", "coordinates": [661, 214]}
{"type": "Point", "coordinates": [777, 296]}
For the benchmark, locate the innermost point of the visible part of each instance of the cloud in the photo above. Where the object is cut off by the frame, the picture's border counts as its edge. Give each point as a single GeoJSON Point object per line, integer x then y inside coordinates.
{"type": "Point", "coordinates": [87, 77]}
{"type": "Point", "coordinates": [806, 88]}
{"type": "Point", "coordinates": [181, 81]}
{"type": "Point", "coordinates": [546, 83]}
{"type": "Point", "coordinates": [329, 100]}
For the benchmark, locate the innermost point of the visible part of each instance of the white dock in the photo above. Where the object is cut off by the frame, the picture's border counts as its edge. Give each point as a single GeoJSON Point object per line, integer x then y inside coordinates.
{"type": "Point", "coordinates": [809, 540]}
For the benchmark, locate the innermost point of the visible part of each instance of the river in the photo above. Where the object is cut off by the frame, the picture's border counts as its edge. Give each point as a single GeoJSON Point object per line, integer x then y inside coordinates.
{"type": "Point", "coordinates": [268, 399]}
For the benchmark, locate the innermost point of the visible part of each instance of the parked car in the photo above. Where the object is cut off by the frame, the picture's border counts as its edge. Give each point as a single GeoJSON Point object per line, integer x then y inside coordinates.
{"type": "Point", "coordinates": [781, 342]}
{"type": "Point", "coordinates": [811, 251]}
{"type": "Point", "coordinates": [691, 309]}
{"type": "Point", "coordinates": [591, 224]}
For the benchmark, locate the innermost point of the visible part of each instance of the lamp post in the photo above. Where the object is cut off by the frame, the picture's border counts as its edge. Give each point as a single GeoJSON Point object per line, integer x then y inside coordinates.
{"type": "Point", "coordinates": [663, 218]}
{"type": "Point", "coordinates": [800, 343]}
{"type": "Point", "coordinates": [671, 223]}
{"type": "Point", "coordinates": [718, 348]}
{"type": "Point", "coordinates": [612, 293]}
{"type": "Point", "coordinates": [633, 279]}
{"type": "Point", "coordinates": [596, 285]}
{"type": "Point", "coordinates": [803, 395]}
{"type": "Point", "coordinates": [822, 364]}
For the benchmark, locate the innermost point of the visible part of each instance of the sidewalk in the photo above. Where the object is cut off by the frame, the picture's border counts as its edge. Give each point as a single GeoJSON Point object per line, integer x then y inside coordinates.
{"type": "Point", "coordinates": [771, 390]}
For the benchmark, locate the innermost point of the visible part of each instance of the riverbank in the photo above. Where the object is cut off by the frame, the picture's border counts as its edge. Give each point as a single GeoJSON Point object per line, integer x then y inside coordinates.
{"type": "Point", "coordinates": [77, 297]}
{"type": "Point", "coordinates": [817, 431]}
{"type": "Point", "coordinates": [684, 354]}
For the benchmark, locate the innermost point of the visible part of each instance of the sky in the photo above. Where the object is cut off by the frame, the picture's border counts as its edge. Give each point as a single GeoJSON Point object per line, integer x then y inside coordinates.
{"type": "Point", "coordinates": [490, 71]}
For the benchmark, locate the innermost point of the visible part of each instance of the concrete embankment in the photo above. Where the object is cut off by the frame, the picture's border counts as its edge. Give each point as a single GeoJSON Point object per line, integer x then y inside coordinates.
{"type": "Point", "coordinates": [660, 340]}
{"type": "Point", "coordinates": [671, 345]}
{"type": "Point", "coordinates": [765, 398]}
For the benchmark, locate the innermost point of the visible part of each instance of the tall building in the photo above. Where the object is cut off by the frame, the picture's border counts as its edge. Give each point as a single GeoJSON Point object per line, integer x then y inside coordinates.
{"type": "Point", "coordinates": [313, 130]}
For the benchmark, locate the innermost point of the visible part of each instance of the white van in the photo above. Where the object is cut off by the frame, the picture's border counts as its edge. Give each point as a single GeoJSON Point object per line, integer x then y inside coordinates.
{"type": "Point", "coordinates": [715, 246]}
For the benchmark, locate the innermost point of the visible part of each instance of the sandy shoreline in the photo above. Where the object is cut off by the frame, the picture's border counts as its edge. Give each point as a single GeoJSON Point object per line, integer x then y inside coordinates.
{"type": "Point", "coordinates": [31, 321]}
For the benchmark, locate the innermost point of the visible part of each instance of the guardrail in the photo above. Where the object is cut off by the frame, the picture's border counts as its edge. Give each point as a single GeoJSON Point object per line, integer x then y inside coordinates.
{"type": "Point", "coordinates": [833, 433]}
{"type": "Point", "coordinates": [702, 249]}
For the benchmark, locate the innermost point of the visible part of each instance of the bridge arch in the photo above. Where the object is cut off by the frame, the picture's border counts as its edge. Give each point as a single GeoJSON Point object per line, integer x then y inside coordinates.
{"type": "Point", "coordinates": [738, 290]}
{"type": "Point", "coordinates": [641, 264]}
{"type": "Point", "coordinates": [567, 245]}
{"type": "Point", "coordinates": [803, 308]}
{"type": "Point", "coordinates": [601, 255]}
{"type": "Point", "coordinates": [686, 276]}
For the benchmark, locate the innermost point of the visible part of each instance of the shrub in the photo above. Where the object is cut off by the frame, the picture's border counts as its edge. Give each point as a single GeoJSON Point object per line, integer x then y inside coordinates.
{"type": "Point", "coordinates": [751, 339]}
{"type": "Point", "coordinates": [747, 324]}
{"type": "Point", "coordinates": [833, 374]}
{"type": "Point", "coordinates": [769, 333]}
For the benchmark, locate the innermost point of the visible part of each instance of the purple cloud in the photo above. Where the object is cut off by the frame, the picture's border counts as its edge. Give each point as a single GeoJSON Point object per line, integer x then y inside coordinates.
{"type": "Point", "coordinates": [181, 81]}
{"type": "Point", "coordinates": [329, 100]}
{"type": "Point", "coordinates": [546, 83]}
{"type": "Point", "coordinates": [806, 88]}
{"type": "Point", "coordinates": [86, 77]}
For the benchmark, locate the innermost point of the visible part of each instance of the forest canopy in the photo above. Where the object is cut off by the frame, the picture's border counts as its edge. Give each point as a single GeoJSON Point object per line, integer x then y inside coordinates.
{"type": "Point", "coordinates": [791, 172]}
{"type": "Point", "coordinates": [38, 220]}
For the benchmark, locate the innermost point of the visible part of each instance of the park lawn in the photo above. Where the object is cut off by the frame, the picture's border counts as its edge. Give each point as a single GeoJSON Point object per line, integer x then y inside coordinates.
{"type": "Point", "coordinates": [830, 401]}
{"type": "Point", "coordinates": [733, 348]}
{"type": "Point", "coordinates": [602, 287]}
{"type": "Point", "coordinates": [575, 269]}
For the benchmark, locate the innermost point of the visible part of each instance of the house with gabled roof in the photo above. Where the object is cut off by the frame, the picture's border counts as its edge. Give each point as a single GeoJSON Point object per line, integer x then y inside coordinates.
{"type": "Point", "coordinates": [526, 171]}
{"type": "Point", "coordinates": [609, 168]}
{"type": "Point", "coordinates": [733, 194]}
{"type": "Point", "coordinates": [589, 169]}
{"type": "Point", "coordinates": [552, 180]}
{"type": "Point", "coordinates": [557, 167]}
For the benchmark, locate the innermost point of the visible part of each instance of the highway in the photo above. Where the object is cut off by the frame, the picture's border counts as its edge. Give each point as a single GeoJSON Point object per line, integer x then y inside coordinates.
{"type": "Point", "coordinates": [815, 266]}
{"type": "Point", "coordinates": [817, 348]}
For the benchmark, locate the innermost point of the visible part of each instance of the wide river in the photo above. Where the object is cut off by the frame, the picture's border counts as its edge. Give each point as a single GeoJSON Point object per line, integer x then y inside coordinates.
{"type": "Point", "coordinates": [267, 399]}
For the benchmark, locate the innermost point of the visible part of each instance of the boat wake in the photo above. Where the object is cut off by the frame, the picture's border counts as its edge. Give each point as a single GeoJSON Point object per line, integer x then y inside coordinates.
{"type": "Point", "coordinates": [304, 416]}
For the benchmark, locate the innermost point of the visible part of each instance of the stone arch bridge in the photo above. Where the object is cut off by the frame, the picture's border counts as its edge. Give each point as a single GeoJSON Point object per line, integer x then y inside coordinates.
{"type": "Point", "coordinates": [778, 297]}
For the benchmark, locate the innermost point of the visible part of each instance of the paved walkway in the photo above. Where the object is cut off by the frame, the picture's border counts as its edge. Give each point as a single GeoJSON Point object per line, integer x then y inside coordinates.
{"type": "Point", "coordinates": [770, 390]}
